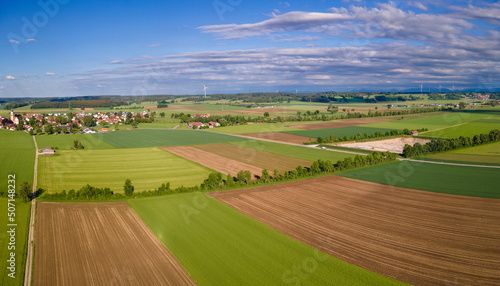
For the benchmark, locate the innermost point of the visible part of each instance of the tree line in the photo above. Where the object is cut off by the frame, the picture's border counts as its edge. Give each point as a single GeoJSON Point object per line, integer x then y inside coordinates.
{"type": "Point", "coordinates": [442, 145]}
{"type": "Point", "coordinates": [218, 181]}
{"type": "Point", "coordinates": [227, 120]}
{"type": "Point", "coordinates": [78, 104]}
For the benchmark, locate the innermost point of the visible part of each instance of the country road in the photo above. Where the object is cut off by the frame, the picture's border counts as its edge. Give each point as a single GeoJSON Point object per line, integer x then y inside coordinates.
{"type": "Point", "coordinates": [31, 230]}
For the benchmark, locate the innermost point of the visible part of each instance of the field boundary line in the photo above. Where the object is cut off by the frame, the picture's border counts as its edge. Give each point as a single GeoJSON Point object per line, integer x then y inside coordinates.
{"type": "Point", "coordinates": [31, 228]}
{"type": "Point", "coordinates": [448, 163]}
{"type": "Point", "coordinates": [286, 143]}
{"type": "Point", "coordinates": [443, 128]}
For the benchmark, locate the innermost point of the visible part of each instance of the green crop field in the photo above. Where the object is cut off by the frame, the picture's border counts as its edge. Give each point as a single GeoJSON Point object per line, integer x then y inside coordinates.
{"type": "Point", "coordinates": [218, 245]}
{"type": "Point", "coordinates": [489, 153]}
{"type": "Point", "coordinates": [259, 128]}
{"type": "Point", "coordinates": [339, 132]}
{"type": "Point", "coordinates": [157, 138]}
{"type": "Point", "coordinates": [299, 152]}
{"type": "Point", "coordinates": [17, 156]}
{"type": "Point", "coordinates": [432, 122]}
{"type": "Point", "coordinates": [448, 179]}
{"type": "Point", "coordinates": [147, 168]}
{"type": "Point", "coordinates": [468, 129]}
{"type": "Point", "coordinates": [22, 220]}
{"type": "Point", "coordinates": [65, 141]}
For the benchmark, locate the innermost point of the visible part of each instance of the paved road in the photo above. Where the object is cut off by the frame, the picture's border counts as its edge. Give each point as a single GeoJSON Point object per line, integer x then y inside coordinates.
{"type": "Point", "coordinates": [287, 143]}
{"type": "Point", "coordinates": [448, 163]}
{"type": "Point", "coordinates": [31, 230]}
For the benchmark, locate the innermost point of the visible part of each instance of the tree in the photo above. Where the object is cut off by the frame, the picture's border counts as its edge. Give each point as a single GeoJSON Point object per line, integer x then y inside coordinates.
{"type": "Point", "coordinates": [75, 144]}
{"type": "Point", "coordinates": [266, 114]}
{"type": "Point", "coordinates": [128, 188]}
{"type": "Point", "coordinates": [462, 105]}
{"type": "Point", "coordinates": [265, 176]}
{"type": "Point", "coordinates": [88, 121]}
{"type": "Point", "coordinates": [25, 191]}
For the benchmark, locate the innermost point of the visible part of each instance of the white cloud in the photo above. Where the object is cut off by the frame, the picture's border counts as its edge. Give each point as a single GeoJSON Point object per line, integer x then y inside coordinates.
{"type": "Point", "coordinates": [116, 62]}
{"type": "Point", "coordinates": [14, 41]}
{"type": "Point", "coordinates": [31, 40]}
{"type": "Point", "coordinates": [154, 45]}
{"type": "Point", "coordinates": [50, 73]}
{"type": "Point", "coordinates": [418, 5]}
{"type": "Point", "coordinates": [100, 85]}
{"type": "Point", "coordinates": [300, 39]}
{"type": "Point", "coordinates": [10, 77]}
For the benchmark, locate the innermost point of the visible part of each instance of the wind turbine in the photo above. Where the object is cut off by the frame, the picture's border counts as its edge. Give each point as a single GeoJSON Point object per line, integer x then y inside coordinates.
{"type": "Point", "coordinates": [421, 87]}
{"type": "Point", "coordinates": [205, 90]}
{"type": "Point", "coordinates": [453, 88]}
{"type": "Point", "coordinates": [440, 87]}
{"type": "Point", "coordinates": [296, 91]}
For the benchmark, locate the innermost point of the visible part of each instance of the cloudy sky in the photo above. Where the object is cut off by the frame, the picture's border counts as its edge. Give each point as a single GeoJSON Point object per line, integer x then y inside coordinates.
{"type": "Point", "coordinates": [91, 47]}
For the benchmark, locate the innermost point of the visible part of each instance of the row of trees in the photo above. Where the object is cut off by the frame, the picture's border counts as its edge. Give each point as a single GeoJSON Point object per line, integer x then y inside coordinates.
{"type": "Point", "coordinates": [78, 104]}
{"type": "Point", "coordinates": [217, 181]}
{"type": "Point", "coordinates": [24, 192]}
{"type": "Point", "coordinates": [442, 145]}
{"type": "Point", "coordinates": [225, 120]}
{"type": "Point", "coordinates": [332, 138]}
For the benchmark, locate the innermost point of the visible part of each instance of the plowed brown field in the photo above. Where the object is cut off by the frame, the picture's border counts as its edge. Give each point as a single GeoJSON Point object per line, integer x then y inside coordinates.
{"type": "Point", "coordinates": [418, 237]}
{"type": "Point", "coordinates": [280, 137]}
{"type": "Point", "coordinates": [100, 244]}
{"type": "Point", "coordinates": [215, 162]}
{"type": "Point", "coordinates": [262, 159]}
{"type": "Point", "coordinates": [358, 121]}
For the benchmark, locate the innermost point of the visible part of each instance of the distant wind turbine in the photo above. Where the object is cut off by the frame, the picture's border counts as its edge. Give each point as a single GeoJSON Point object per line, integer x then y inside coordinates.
{"type": "Point", "coordinates": [421, 87]}
{"type": "Point", "coordinates": [453, 88]}
{"type": "Point", "coordinates": [296, 91]}
{"type": "Point", "coordinates": [205, 90]}
{"type": "Point", "coordinates": [440, 88]}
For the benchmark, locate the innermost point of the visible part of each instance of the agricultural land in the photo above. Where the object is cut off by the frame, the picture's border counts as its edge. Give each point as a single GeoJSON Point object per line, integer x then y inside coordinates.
{"type": "Point", "coordinates": [106, 243]}
{"type": "Point", "coordinates": [214, 242]}
{"type": "Point", "coordinates": [417, 237]}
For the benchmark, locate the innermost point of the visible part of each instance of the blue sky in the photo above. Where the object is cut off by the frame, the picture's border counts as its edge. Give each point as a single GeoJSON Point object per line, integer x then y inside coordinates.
{"type": "Point", "coordinates": [72, 47]}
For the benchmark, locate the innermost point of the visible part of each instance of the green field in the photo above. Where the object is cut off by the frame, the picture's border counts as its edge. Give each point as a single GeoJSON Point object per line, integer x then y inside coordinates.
{"type": "Point", "coordinates": [339, 132]}
{"type": "Point", "coordinates": [305, 153]}
{"type": "Point", "coordinates": [65, 141]}
{"type": "Point", "coordinates": [142, 138]}
{"type": "Point", "coordinates": [488, 153]}
{"type": "Point", "coordinates": [433, 122]}
{"type": "Point", "coordinates": [259, 128]}
{"type": "Point", "coordinates": [17, 156]}
{"type": "Point", "coordinates": [218, 245]}
{"type": "Point", "coordinates": [147, 168]}
{"type": "Point", "coordinates": [468, 129]}
{"type": "Point", "coordinates": [22, 219]}
{"type": "Point", "coordinates": [459, 180]}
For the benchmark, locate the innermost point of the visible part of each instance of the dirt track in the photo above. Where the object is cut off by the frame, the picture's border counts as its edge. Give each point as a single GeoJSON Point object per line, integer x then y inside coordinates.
{"type": "Point", "coordinates": [100, 244]}
{"type": "Point", "coordinates": [280, 137]}
{"type": "Point", "coordinates": [213, 161]}
{"type": "Point", "coordinates": [418, 237]}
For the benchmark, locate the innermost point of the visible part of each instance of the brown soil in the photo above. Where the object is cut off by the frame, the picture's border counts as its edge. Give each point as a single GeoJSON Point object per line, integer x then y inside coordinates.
{"type": "Point", "coordinates": [100, 244]}
{"type": "Point", "coordinates": [215, 162]}
{"type": "Point", "coordinates": [394, 145]}
{"type": "Point", "coordinates": [417, 237]}
{"type": "Point", "coordinates": [262, 159]}
{"type": "Point", "coordinates": [280, 137]}
{"type": "Point", "coordinates": [358, 121]}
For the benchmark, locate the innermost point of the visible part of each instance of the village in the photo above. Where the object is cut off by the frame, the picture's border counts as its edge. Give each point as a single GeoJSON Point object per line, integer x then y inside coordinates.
{"type": "Point", "coordinates": [71, 122]}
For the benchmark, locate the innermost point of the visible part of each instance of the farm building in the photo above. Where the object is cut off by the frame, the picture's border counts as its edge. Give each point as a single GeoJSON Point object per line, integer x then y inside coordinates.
{"type": "Point", "coordinates": [414, 133]}
{"type": "Point", "coordinates": [212, 124]}
{"type": "Point", "coordinates": [197, 124]}
{"type": "Point", "coordinates": [47, 151]}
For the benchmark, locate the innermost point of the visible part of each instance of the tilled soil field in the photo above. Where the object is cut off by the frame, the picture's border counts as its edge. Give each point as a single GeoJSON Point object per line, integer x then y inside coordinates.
{"type": "Point", "coordinates": [280, 137]}
{"type": "Point", "coordinates": [417, 237]}
{"type": "Point", "coordinates": [215, 162]}
{"type": "Point", "coordinates": [262, 159]}
{"type": "Point", "coordinates": [100, 244]}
